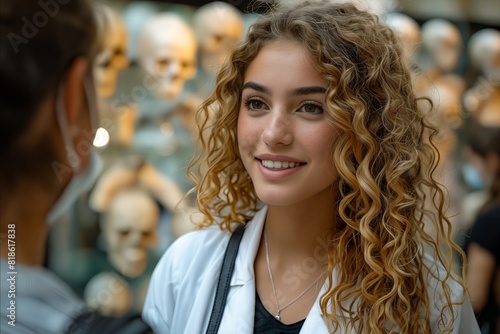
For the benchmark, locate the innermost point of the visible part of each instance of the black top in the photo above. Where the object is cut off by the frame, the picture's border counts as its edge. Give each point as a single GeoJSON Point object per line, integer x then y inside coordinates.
{"type": "Point", "coordinates": [486, 233]}
{"type": "Point", "coordinates": [266, 323]}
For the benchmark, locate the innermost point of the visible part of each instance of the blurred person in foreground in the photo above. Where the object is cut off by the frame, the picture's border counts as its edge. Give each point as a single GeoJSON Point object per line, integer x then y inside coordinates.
{"type": "Point", "coordinates": [48, 122]}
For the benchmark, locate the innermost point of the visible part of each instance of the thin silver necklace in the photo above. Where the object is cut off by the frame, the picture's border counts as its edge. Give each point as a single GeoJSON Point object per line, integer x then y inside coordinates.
{"type": "Point", "coordinates": [278, 312]}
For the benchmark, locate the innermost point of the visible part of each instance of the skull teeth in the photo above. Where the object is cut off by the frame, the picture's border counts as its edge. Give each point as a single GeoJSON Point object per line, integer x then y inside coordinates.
{"type": "Point", "coordinates": [279, 164]}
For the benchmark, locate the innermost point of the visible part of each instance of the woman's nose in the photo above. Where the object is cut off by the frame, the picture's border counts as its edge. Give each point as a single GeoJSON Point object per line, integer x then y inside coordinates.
{"type": "Point", "coordinates": [277, 129]}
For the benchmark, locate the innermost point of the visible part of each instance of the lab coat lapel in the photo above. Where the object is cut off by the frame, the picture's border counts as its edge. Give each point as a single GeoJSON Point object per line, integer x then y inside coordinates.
{"type": "Point", "coordinates": [315, 322]}
{"type": "Point", "coordinates": [240, 308]}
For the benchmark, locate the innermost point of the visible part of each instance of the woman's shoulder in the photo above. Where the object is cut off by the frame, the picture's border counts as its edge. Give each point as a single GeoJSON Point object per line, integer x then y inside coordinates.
{"type": "Point", "coordinates": [205, 238]}
{"type": "Point", "coordinates": [446, 292]}
{"type": "Point", "coordinates": [440, 284]}
{"type": "Point", "coordinates": [438, 278]}
{"type": "Point", "coordinates": [186, 272]}
{"type": "Point", "coordinates": [210, 242]}
{"type": "Point", "coordinates": [194, 250]}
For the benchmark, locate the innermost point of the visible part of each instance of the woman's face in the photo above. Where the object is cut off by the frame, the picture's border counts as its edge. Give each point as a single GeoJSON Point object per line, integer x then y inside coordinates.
{"type": "Point", "coordinates": [284, 138]}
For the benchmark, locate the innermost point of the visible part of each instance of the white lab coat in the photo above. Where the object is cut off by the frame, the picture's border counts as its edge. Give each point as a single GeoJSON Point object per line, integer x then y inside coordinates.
{"type": "Point", "coordinates": [182, 289]}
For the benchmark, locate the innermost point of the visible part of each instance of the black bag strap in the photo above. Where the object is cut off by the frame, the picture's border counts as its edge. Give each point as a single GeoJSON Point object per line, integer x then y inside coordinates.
{"type": "Point", "coordinates": [224, 279]}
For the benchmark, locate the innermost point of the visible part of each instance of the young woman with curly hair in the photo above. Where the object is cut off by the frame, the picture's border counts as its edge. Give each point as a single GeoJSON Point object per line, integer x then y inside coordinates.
{"type": "Point", "coordinates": [313, 139]}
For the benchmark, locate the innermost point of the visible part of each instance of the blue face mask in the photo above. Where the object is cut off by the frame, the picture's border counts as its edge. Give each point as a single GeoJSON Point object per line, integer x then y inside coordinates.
{"type": "Point", "coordinates": [472, 177]}
{"type": "Point", "coordinates": [82, 181]}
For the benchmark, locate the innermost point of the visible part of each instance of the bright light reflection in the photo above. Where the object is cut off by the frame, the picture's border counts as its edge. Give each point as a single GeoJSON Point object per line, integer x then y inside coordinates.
{"type": "Point", "coordinates": [101, 138]}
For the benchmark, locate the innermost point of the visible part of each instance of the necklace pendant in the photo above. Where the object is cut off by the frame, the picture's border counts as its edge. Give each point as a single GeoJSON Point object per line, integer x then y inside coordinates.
{"type": "Point", "coordinates": [277, 316]}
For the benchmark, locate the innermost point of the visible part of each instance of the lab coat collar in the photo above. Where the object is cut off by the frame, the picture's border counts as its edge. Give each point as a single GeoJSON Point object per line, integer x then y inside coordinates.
{"type": "Point", "coordinates": [243, 268]}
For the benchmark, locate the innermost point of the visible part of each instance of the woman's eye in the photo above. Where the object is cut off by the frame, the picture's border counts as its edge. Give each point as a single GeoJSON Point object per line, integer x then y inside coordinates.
{"type": "Point", "coordinates": [255, 105]}
{"type": "Point", "coordinates": [311, 108]}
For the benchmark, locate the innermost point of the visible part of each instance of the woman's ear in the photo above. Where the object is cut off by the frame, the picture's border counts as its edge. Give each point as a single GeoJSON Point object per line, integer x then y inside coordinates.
{"type": "Point", "coordinates": [74, 93]}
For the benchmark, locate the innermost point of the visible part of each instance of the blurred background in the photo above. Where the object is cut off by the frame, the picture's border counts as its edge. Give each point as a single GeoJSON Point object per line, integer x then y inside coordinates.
{"type": "Point", "coordinates": [159, 62]}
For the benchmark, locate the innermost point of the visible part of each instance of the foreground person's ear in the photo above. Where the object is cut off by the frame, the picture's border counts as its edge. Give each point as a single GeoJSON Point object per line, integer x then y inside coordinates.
{"type": "Point", "coordinates": [74, 93]}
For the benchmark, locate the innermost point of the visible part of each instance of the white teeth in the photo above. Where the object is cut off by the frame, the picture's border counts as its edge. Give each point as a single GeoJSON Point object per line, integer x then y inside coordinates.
{"type": "Point", "coordinates": [279, 164]}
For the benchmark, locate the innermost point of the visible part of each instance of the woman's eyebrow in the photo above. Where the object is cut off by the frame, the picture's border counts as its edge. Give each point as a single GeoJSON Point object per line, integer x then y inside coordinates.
{"type": "Point", "coordinates": [257, 87]}
{"type": "Point", "coordinates": [307, 90]}
{"type": "Point", "coordinates": [295, 92]}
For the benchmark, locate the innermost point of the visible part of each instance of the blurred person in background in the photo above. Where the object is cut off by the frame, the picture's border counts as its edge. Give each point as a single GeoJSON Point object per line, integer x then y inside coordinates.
{"type": "Point", "coordinates": [48, 122]}
{"type": "Point", "coordinates": [483, 246]}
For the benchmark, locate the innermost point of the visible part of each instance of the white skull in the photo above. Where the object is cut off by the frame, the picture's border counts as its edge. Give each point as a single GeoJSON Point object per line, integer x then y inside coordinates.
{"type": "Point", "coordinates": [443, 42]}
{"type": "Point", "coordinates": [112, 59]}
{"type": "Point", "coordinates": [408, 30]}
{"type": "Point", "coordinates": [218, 26]}
{"type": "Point", "coordinates": [446, 94]}
{"type": "Point", "coordinates": [130, 230]}
{"type": "Point", "coordinates": [167, 51]}
{"type": "Point", "coordinates": [484, 51]}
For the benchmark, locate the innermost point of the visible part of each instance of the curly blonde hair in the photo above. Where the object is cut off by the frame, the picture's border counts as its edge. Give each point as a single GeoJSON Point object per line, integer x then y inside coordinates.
{"type": "Point", "coordinates": [384, 160]}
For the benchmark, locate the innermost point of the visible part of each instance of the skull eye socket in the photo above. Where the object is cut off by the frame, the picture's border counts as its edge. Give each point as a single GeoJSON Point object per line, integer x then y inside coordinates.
{"type": "Point", "coordinates": [105, 62]}
{"type": "Point", "coordinates": [123, 233]}
{"type": "Point", "coordinates": [162, 64]}
{"type": "Point", "coordinates": [218, 38]}
{"type": "Point", "coordinates": [186, 65]}
{"type": "Point", "coordinates": [118, 52]}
